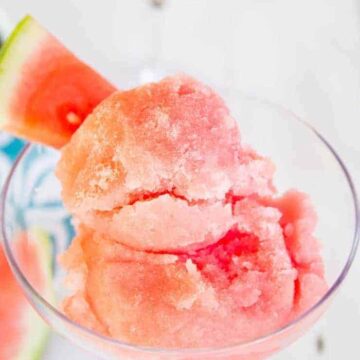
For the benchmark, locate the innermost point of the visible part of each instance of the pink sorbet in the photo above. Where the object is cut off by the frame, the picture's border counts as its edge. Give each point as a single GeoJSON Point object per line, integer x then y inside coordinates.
{"type": "Point", "coordinates": [181, 239]}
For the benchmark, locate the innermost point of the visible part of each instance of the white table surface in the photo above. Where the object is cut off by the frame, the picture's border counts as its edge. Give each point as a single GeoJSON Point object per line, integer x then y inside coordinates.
{"type": "Point", "coordinates": [303, 54]}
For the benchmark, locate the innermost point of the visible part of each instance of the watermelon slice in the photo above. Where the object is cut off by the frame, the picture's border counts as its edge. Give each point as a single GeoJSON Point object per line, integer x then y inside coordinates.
{"type": "Point", "coordinates": [23, 333]}
{"type": "Point", "coordinates": [45, 91]}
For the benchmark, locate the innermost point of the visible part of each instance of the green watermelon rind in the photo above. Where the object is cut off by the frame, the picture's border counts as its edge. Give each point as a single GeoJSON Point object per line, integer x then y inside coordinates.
{"type": "Point", "coordinates": [34, 349]}
{"type": "Point", "coordinates": [35, 342]}
{"type": "Point", "coordinates": [16, 50]}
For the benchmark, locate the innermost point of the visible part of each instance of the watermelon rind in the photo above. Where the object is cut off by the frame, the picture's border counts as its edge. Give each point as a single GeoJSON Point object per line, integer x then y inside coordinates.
{"type": "Point", "coordinates": [38, 331]}
{"type": "Point", "coordinates": [18, 47]}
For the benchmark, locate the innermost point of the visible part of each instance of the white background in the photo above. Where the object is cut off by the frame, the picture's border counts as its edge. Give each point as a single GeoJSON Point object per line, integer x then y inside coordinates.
{"type": "Point", "coordinates": [303, 54]}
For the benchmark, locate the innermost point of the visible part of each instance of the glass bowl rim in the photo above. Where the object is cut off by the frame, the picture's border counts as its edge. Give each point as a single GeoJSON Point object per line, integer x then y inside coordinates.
{"type": "Point", "coordinates": [21, 278]}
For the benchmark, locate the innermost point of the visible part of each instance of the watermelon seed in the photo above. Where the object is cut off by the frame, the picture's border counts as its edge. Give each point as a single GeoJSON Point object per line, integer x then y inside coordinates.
{"type": "Point", "coordinates": [73, 118]}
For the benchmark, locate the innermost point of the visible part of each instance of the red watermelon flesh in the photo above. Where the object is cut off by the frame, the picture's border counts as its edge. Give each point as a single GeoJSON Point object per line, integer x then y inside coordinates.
{"type": "Point", "coordinates": [46, 90]}
{"type": "Point", "coordinates": [23, 333]}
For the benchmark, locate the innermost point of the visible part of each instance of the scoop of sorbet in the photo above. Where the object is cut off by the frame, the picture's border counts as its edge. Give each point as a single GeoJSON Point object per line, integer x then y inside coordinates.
{"type": "Point", "coordinates": [179, 229]}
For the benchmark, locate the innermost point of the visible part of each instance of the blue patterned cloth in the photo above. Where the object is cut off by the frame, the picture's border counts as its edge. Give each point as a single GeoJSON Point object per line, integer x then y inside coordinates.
{"type": "Point", "coordinates": [44, 209]}
{"type": "Point", "coordinates": [9, 149]}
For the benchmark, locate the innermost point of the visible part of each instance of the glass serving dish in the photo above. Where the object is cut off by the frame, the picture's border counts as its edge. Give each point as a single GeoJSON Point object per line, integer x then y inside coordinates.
{"type": "Point", "coordinates": [304, 159]}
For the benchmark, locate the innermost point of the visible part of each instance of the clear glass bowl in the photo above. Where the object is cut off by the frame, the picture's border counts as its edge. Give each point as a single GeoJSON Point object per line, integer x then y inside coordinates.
{"type": "Point", "coordinates": [304, 159]}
